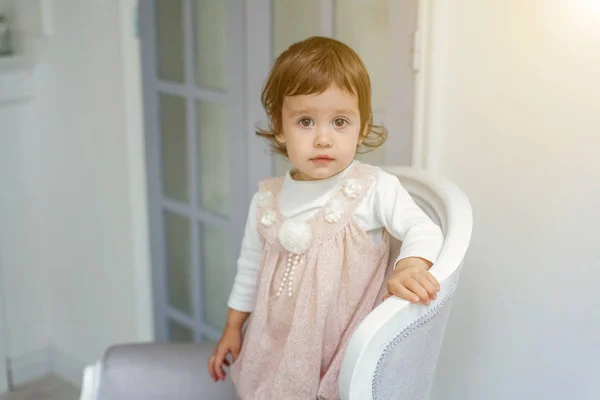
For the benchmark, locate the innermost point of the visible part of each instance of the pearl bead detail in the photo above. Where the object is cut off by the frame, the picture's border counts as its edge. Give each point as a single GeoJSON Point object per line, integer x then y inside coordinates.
{"type": "Point", "coordinates": [288, 276]}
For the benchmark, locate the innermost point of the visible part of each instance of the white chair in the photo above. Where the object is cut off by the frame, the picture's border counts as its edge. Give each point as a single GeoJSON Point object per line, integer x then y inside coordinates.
{"type": "Point", "coordinates": [392, 355]}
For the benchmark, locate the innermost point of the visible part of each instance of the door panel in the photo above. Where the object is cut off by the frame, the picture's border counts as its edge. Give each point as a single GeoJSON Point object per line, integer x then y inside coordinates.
{"type": "Point", "coordinates": [204, 63]}
{"type": "Point", "coordinates": [178, 263]}
{"type": "Point", "coordinates": [217, 280]}
{"type": "Point", "coordinates": [210, 28]}
{"type": "Point", "coordinates": [213, 158]}
{"type": "Point", "coordinates": [194, 103]}
{"type": "Point", "coordinates": [285, 28]}
{"type": "Point", "coordinates": [365, 26]}
{"type": "Point", "coordinates": [180, 333]}
{"type": "Point", "coordinates": [174, 147]}
{"type": "Point", "coordinates": [169, 49]}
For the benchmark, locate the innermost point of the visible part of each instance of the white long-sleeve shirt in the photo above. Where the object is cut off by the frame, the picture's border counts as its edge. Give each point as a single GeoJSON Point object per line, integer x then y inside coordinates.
{"type": "Point", "coordinates": [387, 206]}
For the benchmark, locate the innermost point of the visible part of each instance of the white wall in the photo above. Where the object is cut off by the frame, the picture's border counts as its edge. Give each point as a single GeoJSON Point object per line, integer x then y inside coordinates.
{"type": "Point", "coordinates": [73, 230]}
{"type": "Point", "coordinates": [25, 289]}
{"type": "Point", "coordinates": [84, 158]}
{"type": "Point", "coordinates": [520, 133]}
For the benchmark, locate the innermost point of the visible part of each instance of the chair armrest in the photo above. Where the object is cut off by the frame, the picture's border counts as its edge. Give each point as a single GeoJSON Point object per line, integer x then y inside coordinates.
{"type": "Point", "coordinates": [160, 371]}
{"type": "Point", "coordinates": [385, 323]}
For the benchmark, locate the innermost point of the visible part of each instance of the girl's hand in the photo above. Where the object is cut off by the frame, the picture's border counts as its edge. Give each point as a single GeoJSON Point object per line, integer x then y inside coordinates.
{"type": "Point", "coordinates": [230, 343]}
{"type": "Point", "coordinates": [412, 281]}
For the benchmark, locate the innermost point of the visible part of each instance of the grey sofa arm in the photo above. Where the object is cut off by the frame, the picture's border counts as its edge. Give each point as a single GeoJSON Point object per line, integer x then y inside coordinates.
{"type": "Point", "coordinates": [162, 371]}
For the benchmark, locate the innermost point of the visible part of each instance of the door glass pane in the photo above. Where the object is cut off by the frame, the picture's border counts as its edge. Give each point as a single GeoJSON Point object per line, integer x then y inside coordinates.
{"type": "Point", "coordinates": [364, 26]}
{"type": "Point", "coordinates": [213, 157]}
{"type": "Point", "coordinates": [286, 33]}
{"type": "Point", "coordinates": [180, 333]}
{"type": "Point", "coordinates": [217, 274]}
{"type": "Point", "coordinates": [169, 49]}
{"type": "Point", "coordinates": [174, 147]}
{"type": "Point", "coordinates": [287, 27]}
{"type": "Point", "coordinates": [211, 43]}
{"type": "Point", "coordinates": [177, 232]}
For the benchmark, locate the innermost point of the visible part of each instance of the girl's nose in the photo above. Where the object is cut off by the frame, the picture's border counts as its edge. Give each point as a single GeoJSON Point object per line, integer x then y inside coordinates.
{"type": "Point", "coordinates": [323, 138]}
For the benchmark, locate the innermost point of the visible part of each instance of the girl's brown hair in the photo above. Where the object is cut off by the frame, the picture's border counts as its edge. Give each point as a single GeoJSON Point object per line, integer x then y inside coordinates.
{"type": "Point", "coordinates": [312, 66]}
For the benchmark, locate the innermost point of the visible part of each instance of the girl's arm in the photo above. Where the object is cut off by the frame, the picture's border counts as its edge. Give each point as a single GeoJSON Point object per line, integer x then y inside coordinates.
{"type": "Point", "coordinates": [242, 298]}
{"type": "Point", "coordinates": [406, 221]}
{"type": "Point", "coordinates": [243, 294]}
{"type": "Point", "coordinates": [236, 319]}
{"type": "Point", "coordinates": [421, 239]}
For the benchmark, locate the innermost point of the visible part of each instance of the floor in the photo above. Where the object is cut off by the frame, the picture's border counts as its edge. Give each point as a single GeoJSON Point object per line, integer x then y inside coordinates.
{"type": "Point", "coordinates": [50, 388]}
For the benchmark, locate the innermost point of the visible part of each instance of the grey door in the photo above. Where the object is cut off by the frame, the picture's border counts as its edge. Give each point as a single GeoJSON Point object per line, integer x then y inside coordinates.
{"type": "Point", "coordinates": [204, 64]}
{"type": "Point", "coordinates": [194, 77]}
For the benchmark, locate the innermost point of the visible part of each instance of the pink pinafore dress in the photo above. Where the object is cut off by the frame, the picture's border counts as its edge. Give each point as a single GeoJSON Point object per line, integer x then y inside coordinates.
{"type": "Point", "coordinates": [318, 280]}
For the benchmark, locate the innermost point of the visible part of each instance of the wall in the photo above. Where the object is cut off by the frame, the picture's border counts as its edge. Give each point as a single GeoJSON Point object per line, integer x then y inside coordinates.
{"type": "Point", "coordinates": [24, 289]}
{"type": "Point", "coordinates": [519, 121]}
{"type": "Point", "coordinates": [84, 155]}
{"type": "Point", "coordinates": [74, 248]}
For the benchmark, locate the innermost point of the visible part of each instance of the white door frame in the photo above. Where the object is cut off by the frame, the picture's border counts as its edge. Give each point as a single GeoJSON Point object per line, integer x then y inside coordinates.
{"type": "Point", "coordinates": [132, 86]}
{"type": "Point", "coordinates": [431, 54]}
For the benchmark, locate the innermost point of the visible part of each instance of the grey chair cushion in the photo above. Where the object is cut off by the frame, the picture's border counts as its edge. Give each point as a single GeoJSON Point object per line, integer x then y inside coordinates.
{"type": "Point", "coordinates": [161, 371]}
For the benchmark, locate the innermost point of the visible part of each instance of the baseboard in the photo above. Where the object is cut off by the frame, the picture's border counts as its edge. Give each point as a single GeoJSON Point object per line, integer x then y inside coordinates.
{"type": "Point", "coordinates": [38, 364]}
{"type": "Point", "coordinates": [30, 367]}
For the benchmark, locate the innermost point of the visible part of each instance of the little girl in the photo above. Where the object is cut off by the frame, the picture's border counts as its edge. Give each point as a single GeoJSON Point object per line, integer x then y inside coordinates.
{"type": "Point", "coordinates": [315, 248]}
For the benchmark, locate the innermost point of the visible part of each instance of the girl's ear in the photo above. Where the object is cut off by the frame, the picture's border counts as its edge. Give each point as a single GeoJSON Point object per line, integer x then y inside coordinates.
{"type": "Point", "coordinates": [280, 138]}
{"type": "Point", "coordinates": [363, 135]}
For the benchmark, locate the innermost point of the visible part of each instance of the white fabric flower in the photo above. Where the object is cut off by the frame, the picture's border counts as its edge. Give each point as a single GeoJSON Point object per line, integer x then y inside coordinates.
{"type": "Point", "coordinates": [333, 211]}
{"type": "Point", "coordinates": [264, 199]}
{"type": "Point", "coordinates": [295, 236]}
{"type": "Point", "coordinates": [268, 217]}
{"type": "Point", "coordinates": [352, 188]}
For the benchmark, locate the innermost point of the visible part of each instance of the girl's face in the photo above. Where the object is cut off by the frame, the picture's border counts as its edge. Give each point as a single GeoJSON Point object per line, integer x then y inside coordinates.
{"type": "Point", "coordinates": [321, 132]}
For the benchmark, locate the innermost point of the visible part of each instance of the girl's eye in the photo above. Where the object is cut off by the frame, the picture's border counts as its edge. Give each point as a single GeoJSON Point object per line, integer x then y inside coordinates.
{"type": "Point", "coordinates": [306, 122]}
{"type": "Point", "coordinates": [340, 122]}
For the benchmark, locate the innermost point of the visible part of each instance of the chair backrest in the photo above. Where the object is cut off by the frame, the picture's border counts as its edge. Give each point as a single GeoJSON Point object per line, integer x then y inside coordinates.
{"type": "Point", "coordinates": [394, 351]}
